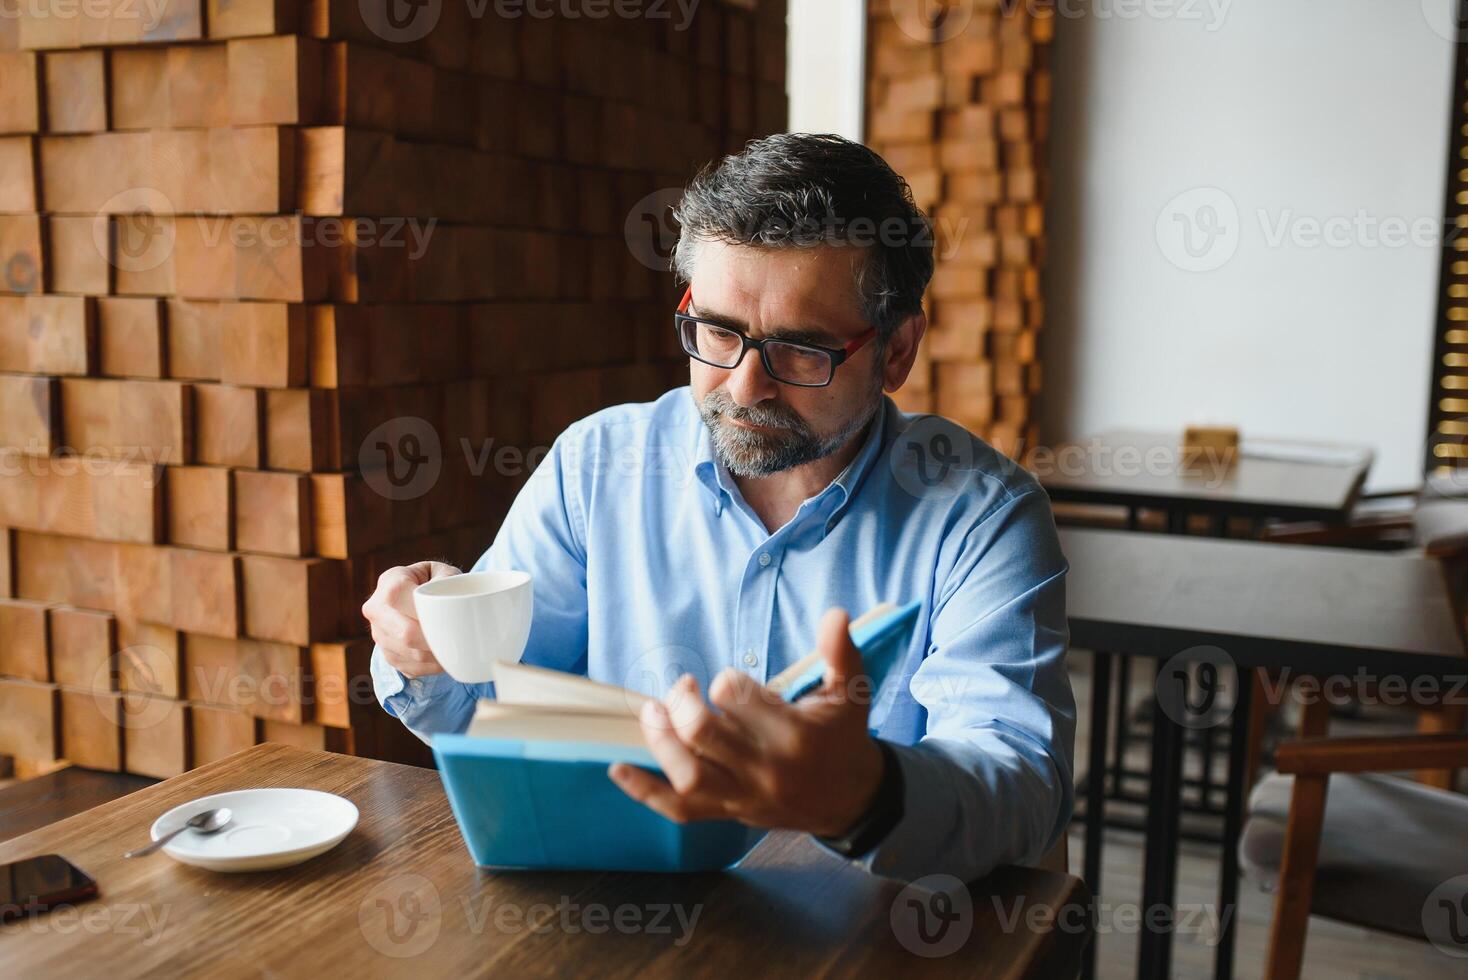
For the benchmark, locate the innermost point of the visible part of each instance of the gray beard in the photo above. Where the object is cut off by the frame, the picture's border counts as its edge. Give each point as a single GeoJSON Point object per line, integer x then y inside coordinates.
{"type": "Point", "coordinates": [752, 453]}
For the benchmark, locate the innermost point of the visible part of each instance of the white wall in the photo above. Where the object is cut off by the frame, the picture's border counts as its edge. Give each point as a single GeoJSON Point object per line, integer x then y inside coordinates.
{"type": "Point", "coordinates": [826, 40]}
{"type": "Point", "coordinates": [1302, 109]}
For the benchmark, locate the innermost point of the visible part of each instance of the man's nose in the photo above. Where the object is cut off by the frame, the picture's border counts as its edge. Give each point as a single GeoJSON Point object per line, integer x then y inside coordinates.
{"type": "Point", "coordinates": [749, 383]}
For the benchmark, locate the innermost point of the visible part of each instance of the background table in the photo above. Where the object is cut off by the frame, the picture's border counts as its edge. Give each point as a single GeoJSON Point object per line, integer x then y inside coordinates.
{"type": "Point", "coordinates": [1319, 611]}
{"type": "Point", "coordinates": [1088, 472]}
{"type": "Point", "coordinates": [1096, 472]}
{"type": "Point", "coordinates": [400, 896]}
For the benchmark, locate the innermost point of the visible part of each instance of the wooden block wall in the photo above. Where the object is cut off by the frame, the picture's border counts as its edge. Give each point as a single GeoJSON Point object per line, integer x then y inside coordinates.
{"type": "Point", "coordinates": [238, 247]}
{"type": "Point", "coordinates": [959, 104]}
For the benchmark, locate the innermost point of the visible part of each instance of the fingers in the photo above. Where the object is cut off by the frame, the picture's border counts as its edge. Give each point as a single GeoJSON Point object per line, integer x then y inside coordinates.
{"type": "Point", "coordinates": [707, 734]}
{"type": "Point", "coordinates": [434, 569]}
{"type": "Point", "coordinates": [394, 629]}
{"type": "Point", "coordinates": [409, 661]}
{"type": "Point", "coordinates": [395, 587]}
{"type": "Point", "coordinates": [412, 663]}
{"type": "Point", "coordinates": [760, 711]}
{"type": "Point", "coordinates": [687, 772]}
{"type": "Point", "coordinates": [395, 592]}
{"type": "Point", "coordinates": [843, 659]}
{"type": "Point", "coordinates": [657, 795]}
{"type": "Point", "coordinates": [393, 617]}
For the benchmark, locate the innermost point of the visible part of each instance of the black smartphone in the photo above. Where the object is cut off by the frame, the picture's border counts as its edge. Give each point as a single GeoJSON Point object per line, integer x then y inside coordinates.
{"type": "Point", "coordinates": [33, 885]}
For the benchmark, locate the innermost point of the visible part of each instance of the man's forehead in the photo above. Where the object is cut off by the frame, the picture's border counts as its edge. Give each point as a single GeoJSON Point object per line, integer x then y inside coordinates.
{"type": "Point", "coordinates": [778, 285]}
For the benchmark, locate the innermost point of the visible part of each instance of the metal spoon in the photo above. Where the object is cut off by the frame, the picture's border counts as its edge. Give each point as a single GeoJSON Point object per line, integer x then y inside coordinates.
{"type": "Point", "coordinates": [207, 822]}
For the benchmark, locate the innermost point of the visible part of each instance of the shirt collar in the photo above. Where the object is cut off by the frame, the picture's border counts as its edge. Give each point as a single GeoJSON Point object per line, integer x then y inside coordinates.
{"type": "Point", "coordinates": [715, 476]}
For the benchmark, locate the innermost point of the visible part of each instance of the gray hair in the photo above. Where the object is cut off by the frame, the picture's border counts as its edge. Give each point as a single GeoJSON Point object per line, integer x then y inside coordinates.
{"type": "Point", "coordinates": [802, 189]}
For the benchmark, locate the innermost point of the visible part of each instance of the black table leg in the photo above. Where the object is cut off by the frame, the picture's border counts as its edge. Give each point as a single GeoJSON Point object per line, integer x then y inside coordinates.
{"type": "Point", "coordinates": [1096, 786]}
{"type": "Point", "coordinates": [1233, 827]}
{"type": "Point", "coordinates": [1123, 721]}
{"type": "Point", "coordinates": [1206, 745]}
{"type": "Point", "coordinates": [1159, 874]}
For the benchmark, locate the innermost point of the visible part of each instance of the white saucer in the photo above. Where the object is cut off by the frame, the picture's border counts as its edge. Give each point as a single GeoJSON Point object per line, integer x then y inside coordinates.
{"type": "Point", "coordinates": [270, 828]}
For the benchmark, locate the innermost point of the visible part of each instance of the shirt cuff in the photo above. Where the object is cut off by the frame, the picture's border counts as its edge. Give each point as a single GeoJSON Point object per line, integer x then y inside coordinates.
{"type": "Point", "coordinates": [882, 814]}
{"type": "Point", "coordinates": [405, 698]}
{"type": "Point", "coordinates": [926, 840]}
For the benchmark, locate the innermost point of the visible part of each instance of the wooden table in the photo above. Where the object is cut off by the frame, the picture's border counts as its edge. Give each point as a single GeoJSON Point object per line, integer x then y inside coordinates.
{"type": "Point", "coordinates": [28, 804]}
{"type": "Point", "coordinates": [1315, 611]}
{"type": "Point", "coordinates": [400, 896]}
{"type": "Point", "coordinates": [1142, 469]}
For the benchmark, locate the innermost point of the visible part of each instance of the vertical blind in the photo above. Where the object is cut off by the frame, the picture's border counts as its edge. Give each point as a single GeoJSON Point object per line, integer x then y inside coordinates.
{"type": "Point", "coordinates": [1447, 418]}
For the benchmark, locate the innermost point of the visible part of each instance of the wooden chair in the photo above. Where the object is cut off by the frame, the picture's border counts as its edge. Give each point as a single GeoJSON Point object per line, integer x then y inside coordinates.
{"type": "Point", "coordinates": [1373, 855]}
{"type": "Point", "coordinates": [1435, 525]}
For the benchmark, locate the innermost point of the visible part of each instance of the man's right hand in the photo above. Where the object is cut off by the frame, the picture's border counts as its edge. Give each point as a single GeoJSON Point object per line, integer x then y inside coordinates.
{"type": "Point", "coordinates": [394, 618]}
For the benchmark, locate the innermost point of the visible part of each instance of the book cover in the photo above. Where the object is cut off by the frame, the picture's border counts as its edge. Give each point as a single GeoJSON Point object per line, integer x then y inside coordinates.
{"type": "Point", "coordinates": [547, 803]}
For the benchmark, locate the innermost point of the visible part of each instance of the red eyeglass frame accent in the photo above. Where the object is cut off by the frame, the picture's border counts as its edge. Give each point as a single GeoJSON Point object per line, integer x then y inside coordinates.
{"type": "Point", "coordinates": [838, 354]}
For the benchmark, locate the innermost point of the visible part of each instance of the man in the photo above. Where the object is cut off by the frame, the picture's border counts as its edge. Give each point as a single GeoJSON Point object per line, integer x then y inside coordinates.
{"type": "Point", "coordinates": [688, 547]}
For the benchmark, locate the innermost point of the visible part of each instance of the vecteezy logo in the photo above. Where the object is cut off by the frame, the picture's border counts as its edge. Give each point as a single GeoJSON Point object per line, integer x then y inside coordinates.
{"type": "Point", "coordinates": [1447, 458]}
{"type": "Point", "coordinates": [655, 671]}
{"type": "Point", "coordinates": [1189, 685]}
{"type": "Point", "coordinates": [1199, 230]}
{"type": "Point", "coordinates": [138, 235]}
{"type": "Point", "coordinates": [933, 21]}
{"type": "Point", "coordinates": [400, 21]}
{"type": "Point", "coordinates": [650, 230]}
{"type": "Point", "coordinates": [401, 458]}
{"type": "Point", "coordinates": [145, 700]}
{"type": "Point", "coordinates": [401, 916]}
{"type": "Point", "coordinates": [1445, 917]}
{"type": "Point", "coordinates": [933, 456]}
{"type": "Point", "coordinates": [1445, 19]}
{"type": "Point", "coordinates": [933, 916]}
{"type": "Point", "coordinates": [21, 273]}
{"type": "Point", "coordinates": [943, 459]}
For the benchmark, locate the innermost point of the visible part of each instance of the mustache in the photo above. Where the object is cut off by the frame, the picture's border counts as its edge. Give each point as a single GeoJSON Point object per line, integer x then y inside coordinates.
{"type": "Point", "coordinates": [719, 404]}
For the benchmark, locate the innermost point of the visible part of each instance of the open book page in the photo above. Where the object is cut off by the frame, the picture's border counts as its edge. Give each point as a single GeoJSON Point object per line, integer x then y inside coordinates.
{"type": "Point", "coordinates": [521, 723]}
{"type": "Point", "coordinates": [527, 685]}
{"type": "Point", "coordinates": [787, 677]}
{"type": "Point", "coordinates": [538, 703]}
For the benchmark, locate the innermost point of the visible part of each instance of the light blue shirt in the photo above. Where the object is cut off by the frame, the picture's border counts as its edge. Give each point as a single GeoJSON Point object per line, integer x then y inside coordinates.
{"type": "Point", "coordinates": [648, 564]}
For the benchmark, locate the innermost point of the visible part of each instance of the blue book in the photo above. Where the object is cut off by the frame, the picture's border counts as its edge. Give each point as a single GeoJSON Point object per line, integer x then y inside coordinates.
{"type": "Point", "coordinates": [528, 781]}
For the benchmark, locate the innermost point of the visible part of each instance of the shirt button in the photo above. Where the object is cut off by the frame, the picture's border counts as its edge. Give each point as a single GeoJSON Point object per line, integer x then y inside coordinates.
{"type": "Point", "coordinates": [750, 659]}
{"type": "Point", "coordinates": [764, 559]}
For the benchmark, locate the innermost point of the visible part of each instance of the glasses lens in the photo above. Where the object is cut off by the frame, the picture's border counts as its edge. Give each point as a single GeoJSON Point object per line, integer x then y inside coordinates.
{"type": "Point", "coordinates": [798, 365]}
{"type": "Point", "coordinates": [709, 343]}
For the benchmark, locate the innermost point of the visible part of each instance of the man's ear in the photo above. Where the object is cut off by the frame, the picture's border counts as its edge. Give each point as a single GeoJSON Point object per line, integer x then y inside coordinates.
{"type": "Point", "coordinates": [901, 351]}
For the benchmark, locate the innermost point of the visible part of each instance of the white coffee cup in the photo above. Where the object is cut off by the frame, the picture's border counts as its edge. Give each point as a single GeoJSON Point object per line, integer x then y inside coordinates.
{"type": "Point", "coordinates": [475, 619]}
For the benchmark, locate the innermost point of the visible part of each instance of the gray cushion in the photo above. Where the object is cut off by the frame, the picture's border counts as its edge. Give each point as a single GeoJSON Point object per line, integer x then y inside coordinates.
{"type": "Point", "coordinates": [1441, 525]}
{"type": "Point", "coordinates": [1387, 845]}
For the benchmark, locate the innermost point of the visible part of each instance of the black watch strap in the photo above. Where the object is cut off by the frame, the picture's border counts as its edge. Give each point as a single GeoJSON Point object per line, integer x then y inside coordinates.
{"type": "Point", "coordinates": [882, 815]}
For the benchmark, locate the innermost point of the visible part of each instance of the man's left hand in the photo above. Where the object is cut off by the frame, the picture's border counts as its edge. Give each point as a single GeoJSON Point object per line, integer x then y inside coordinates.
{"type": "Point", "coordinates": [809, 766]}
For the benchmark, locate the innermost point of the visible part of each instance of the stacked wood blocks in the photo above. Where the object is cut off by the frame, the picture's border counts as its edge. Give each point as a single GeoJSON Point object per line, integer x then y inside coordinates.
{"type": "Point", "coordinates": [236, 244]}
{"type": "Point", "coordinates": [959, 103]}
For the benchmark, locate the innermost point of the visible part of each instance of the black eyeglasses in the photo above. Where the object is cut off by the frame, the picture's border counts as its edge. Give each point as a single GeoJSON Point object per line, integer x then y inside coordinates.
{"type": "Point", "coordinates": [803, 365]}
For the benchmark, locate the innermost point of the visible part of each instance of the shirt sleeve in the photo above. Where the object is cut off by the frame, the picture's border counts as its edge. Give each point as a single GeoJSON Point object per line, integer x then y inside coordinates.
{"type": "Point", "coordinates": [543, 534]}
{"type": "Point", "coordinates": [990, 782]}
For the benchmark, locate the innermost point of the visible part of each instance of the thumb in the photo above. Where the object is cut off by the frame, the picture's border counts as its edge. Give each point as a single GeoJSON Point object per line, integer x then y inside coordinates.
{"type": "Point", "coordinates": [843, 659]}
{"type": "Point", "coordinates": [427, 571]}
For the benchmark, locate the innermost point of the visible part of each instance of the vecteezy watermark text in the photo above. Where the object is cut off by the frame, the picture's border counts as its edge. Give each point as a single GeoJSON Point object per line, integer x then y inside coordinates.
{"type": "Point", "coordinates": [150, 12]}
{"type": "Point", "coordinates": [1202, 229]}
{"type": "Point", "coordinates": [936, 21]}
{"type": "Point", "coordinates": [37, 460]}
{"type": "Point", "coordinates": [406, 21]}
{"type": "Point", "coordinates": [143, 921]}
{"type": "Point", "coordinates": [403, 916]}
